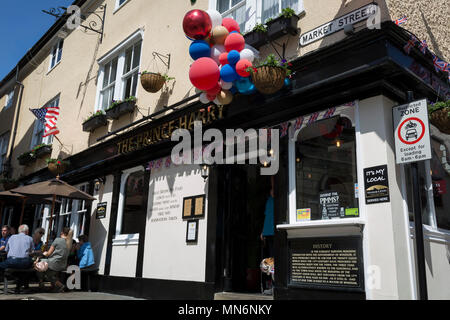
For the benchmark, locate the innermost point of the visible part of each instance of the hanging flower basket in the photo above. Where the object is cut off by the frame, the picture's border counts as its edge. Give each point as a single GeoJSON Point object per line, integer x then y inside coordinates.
{"type": "Point", "coordinates": [152, 82]}
{"type": "Point", "coordinates": [268, 79]}
{"type": "Point", "coordinates": [440, 116]}
{"type": "Point", "coordinates": [57, 166]}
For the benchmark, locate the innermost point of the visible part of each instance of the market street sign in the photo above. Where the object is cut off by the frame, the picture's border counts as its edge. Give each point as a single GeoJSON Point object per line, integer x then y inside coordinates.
{"type": "Point", "coordinates": [338, 24]}
{"type": "Point", "coordinates": [412, 132]}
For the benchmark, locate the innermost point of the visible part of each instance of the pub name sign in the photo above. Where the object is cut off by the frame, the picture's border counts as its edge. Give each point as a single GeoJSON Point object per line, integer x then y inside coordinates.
{"type": "Point", "coordinates": [164, 131]}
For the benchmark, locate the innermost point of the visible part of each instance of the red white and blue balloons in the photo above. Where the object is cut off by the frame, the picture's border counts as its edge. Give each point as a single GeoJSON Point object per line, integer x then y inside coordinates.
{"type": "Point", "coordinates": [221, 59]}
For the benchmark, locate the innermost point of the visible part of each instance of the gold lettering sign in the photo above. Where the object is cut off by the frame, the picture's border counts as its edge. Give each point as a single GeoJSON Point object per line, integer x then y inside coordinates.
{"type": "Point", "coordinates": [164, 131]}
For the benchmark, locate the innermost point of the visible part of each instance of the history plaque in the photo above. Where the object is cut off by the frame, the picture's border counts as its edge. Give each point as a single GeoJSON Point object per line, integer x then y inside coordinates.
{"type": "Point", "coordinates": [327, 263]}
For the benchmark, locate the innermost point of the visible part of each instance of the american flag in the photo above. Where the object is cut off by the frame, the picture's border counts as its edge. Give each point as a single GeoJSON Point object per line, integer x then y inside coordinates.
{"type": "Point", "coordinates": [49, 117]}
{"type": "Point", "coordinates": [401, 21]}
{"type": "Point", "coordinates": [411, 43]}
{"type": "Point", "coordinates": [423, 46]}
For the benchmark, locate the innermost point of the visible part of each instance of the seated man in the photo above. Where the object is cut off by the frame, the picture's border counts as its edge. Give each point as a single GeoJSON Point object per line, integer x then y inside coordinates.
{"type": "Point", "coordinates": [85, 253]}
{"type": "Point", "coordinates": [6, 234]}
{"type": "Point", "coordinates": [19, 247]}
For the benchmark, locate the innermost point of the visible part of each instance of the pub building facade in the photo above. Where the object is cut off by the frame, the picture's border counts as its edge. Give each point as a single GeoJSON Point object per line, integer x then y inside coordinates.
{"type": "Point", "coordinates": [160, 230]}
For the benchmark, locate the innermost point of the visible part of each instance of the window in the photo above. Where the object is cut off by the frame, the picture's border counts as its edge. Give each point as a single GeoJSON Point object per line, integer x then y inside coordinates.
{"type": "Point", "coordinates": [248, 13]}
{"type": "Point", "coordinates": [119, 3]}
{"type": "Point", "coordinates": [4, 140]}
{"type": "Point", "coordinates": [325, 173]}
{"type": "Point", "coordinates": [119, 72]}
{"type": "Point", "coordinates": [434, 182]}
{"type": "Point", "coordinates": [39, 128]}
{"type": "Point", "coordinates": [134, 200]}
{"type": "Point", "coordinates": [9, 99]}
{"type": "Point", "coordinates": [56, 54]}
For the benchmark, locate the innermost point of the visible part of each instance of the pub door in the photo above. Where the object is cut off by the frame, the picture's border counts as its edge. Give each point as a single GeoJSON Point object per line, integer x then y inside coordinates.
{"type": "Point", "coordinates": [240, 221]}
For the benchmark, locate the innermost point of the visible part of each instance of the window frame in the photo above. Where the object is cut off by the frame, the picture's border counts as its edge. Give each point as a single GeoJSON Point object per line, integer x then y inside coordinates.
{"type": "Point", "coordinates": [57, 50]}
{"type": "Point", "coordinates": [118, 52]}
{"type": "Point", "coordinates": [9, 99]}
{"type": "Point", "coordinates": [119, 238]}
{"type": "Point", "coordinates": [4, 137]}
{"type": "Point", "coordinates": [119, 5]}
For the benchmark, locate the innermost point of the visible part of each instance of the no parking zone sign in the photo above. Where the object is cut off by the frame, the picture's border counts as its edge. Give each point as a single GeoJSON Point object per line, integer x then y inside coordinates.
{"type": "Point", "coordinates": [412, 132]}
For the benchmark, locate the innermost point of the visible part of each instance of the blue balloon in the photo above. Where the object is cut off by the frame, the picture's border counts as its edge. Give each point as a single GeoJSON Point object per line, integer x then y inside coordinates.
{"type": "Point", "coordinates": [228, 74]}
{"type": "Point", "coordinates": [233, 57]}
{"type": "Point", "coordinates": [251, 90]}
{"type": "Point", "coordinates": [287, 82]}
{"type": "Point", "coordinates": [199, 49]}
{"type": "Point", "coordinates": [234, 31]}
{"type": "Point", "coordinates": [243, 85]}
{"type": "Point", "coordinates": [233, 90]}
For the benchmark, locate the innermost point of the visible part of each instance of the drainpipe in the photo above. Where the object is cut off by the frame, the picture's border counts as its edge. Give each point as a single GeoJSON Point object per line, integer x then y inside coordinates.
{"type": "Point", "coordinates": [18, 103]}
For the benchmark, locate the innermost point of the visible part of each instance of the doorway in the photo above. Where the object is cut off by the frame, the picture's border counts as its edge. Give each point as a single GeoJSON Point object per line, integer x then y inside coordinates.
{"type": "Point", "coordinates": [243, 194]}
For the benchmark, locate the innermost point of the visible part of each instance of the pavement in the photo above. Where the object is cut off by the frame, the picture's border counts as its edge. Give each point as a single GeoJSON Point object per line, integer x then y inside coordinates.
{"type": "Point", "coordinates": [33, 294]}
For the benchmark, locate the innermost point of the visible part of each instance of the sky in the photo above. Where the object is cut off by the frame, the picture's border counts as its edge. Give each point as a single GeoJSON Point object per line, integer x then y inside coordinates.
{"type": "Point", "coordinates": [22, 24]}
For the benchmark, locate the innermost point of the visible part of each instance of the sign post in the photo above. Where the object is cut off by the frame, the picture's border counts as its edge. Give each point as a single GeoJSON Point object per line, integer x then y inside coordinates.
{"type": "Point", "coordinates": [412, 144]}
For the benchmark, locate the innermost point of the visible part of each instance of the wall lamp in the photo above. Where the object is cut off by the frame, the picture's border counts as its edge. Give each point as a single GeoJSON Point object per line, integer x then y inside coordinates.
{"type": "Point", "coordinates": [98, 182]}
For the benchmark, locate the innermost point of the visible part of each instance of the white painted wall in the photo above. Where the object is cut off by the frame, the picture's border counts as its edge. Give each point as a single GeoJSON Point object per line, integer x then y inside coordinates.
{"type": "Point", "coordinates": [123, 260]}
{"type": "Point", "coordinates": [167, 255]}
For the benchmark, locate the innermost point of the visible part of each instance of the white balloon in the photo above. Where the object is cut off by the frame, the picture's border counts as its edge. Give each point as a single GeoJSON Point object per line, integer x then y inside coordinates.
{"type": "Point", "coordinates": [247, 54]}
{"type": "Point", "coordinates": [216, 50]}
{"type": "Point", "coordinates": [216, 101]}
{"type": "Point", "coordinates": [203, 98]}
{"type": "Point", "coordinates": [216, 18]}
{"type": "Point", "coordinates": [226, 85]}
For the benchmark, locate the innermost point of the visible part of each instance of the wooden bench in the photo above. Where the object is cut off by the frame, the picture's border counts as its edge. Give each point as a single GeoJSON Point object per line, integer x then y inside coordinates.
{"type": "Point", "coordinates": [20, 275]}
{"type": "Point", "coordinates": [86, 273]}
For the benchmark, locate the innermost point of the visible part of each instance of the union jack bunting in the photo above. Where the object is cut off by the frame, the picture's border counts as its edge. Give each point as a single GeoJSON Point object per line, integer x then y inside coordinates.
{"type": "Point", "coordinates": [411, 43]}
{"type": "Point", "coordinates": [168, 162]}
{"type": "Point", "coordinates": [158, 164]}
{"type": "Point", "coordinates": [440, 65]}
{"type": "Point", "coordinates": [401, 21]}
{"type": "Point", "coordinates": [150, 165]}
{"type": "Point", "coordinates": [313, 117]}
{"type": "Point", "coordinates": [284, 129]}
{"type": "Point", "coordinates": [329, 113]}
{"type": "Point", "coordinates": [423, 46]}
{"type": "Point", "coordinates": [49, 117]}
{"type": "Point", "coordinates": [298, 123]}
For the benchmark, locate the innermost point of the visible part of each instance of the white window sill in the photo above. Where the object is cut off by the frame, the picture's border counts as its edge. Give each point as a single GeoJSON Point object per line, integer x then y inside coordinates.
{"type": "Point", "coordinates": [120, 7]}
{"type": "Point", "coordinates": [51, 69]}
{"type": "Point", "coordinates": [430, 234]}
{"type": "Point", "coordinates": [333, 227]}
{"type": "Point", "coordinates": [323, 223]}
{"type": "Point", "coordinates": [126, 239]}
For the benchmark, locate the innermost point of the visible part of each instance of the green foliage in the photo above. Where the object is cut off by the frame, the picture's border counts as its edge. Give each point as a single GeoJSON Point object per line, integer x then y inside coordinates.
{"type": "Point", "coordinates": [260, 28]}
{"type": "Point", "coordinates": [93, 115]}
{"type": "Point", "coordinates": [287, 13]}
{"type": "Point", "coordinates": [40, 146]}
{"type": "Point", "coordinates": [26, 155]}
{"type": "Point", "coordinates": [165, 76]}
{"type": "Point", "coordinates": [116, 103]}
{"type": "Point", "coordinates": [271, 61]}
{"type": "Point", "coordinates": [438, 106]}
{"type": "Point", "coordinates": [58, 161]}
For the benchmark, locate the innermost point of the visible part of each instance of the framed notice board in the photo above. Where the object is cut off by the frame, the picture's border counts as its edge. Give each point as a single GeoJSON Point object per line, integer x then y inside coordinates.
{"type": "Point", "coordinates": [192, 230]}
{"type": "Point", "coordinates": [333, 263]}
{"type": "Point", "coordinates": [101, 210]}
{"type": "Point", "coordinates": [194, 207]}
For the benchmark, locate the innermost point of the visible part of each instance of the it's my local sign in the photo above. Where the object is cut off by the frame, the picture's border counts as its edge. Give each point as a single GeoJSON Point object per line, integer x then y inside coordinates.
{"type": "Point", "coordinates": [338, 24]}
{"type": "Point", "coordinates": [411, 132]}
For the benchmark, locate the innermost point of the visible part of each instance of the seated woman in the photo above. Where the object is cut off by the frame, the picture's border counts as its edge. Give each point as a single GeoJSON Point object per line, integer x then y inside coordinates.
{"type": "Point", "coordinates": [37, 236]}
{"type": "Point", "coordinates": [85, 253]}
{"type": "Point", "coordinates": [57, 260]}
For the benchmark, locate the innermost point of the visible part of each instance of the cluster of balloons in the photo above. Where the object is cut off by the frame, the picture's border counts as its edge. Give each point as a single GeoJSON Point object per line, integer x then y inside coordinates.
{"type": "Point", "coordinates": [220, 54]}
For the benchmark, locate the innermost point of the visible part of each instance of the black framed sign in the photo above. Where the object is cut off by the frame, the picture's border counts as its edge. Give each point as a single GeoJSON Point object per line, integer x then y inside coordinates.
{"type": "Point", "coordinates": [101, 210]}
{"type": "Point", "coordinates": [192, 230]}
{"type": "Point", "coordinates": [333, 263]}
{"type": "Point", "coordinates": [376, 184]}
{"type": "Point", "coordinates": [194, 207]}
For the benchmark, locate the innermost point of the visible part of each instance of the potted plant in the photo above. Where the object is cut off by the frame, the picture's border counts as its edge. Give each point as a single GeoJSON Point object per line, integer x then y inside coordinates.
{"type": "Point", "coordinates": [285, 23]}
{"type": "Point", "coordinates": [153, 82]}
{"type": "Point", "coordinates": [42, 150]}
{"type": "Point", "coordinates": [94, 121]}
{"type": "Point", "coordinates": [269, 76]}
{"type": "Point", "coordinates": [26, 158]}
{"type": "Point", "coordinates": [118, 108]}
{"type": "Point", "coordinates": [9, 183]}
{"type": "Point", "coordinates": [439, 114]}
{"type": "Point", "coordinates": [257, 37]}
{"type": "Point", "coordinates": [57, 166]}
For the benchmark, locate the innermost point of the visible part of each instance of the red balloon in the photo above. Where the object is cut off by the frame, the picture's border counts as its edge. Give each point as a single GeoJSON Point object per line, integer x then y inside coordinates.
{"type": "Point", "coordinates": [215, 90]}
{"type": "Point", "coordinates": [231, 24]}
{"type": "Point", "coordinates": [223, 58]}
{"type": "Point", "coordinates": [242, 66]}
{"type": "Point", "coordinates": [234, 41]}
{"type": "Point", "coordinates": [197, 24]}
{"type": "Point", "coordinates": [204, 73]}
{"type": "Point", "coordinates": [211, 97]}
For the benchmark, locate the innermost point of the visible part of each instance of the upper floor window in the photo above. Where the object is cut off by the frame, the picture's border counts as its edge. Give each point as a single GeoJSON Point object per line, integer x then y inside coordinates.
{"type": "Point", "coordinates": [9, 99]}
{"type": "Point", "coordinates": [248, 13]}
{"type": "Point", "coordinates": [56, 54]}
{"type": "Point", "coordinates": [119, 73]}
{"type": "Point", "coordinates": [4, 140]}
{"type": "Point", "coordinates": [119, 3]}
{"type": "Point", "coordinates": [39, 128]}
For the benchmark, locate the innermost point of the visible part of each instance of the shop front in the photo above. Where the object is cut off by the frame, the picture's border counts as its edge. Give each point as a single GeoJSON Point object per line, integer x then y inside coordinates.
{"type": "Point", "coordinates": [162, 230]}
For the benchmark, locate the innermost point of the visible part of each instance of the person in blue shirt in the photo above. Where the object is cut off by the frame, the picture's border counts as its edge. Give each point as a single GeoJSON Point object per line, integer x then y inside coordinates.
{"type": "Point", "coordinates": [85, 253]}
{"type": "Point", "coordinates": [37, 236]}
{"type": "Point", "coordinates": [268, 228]}
{"type": "Point", "coordinates": [6, 234]}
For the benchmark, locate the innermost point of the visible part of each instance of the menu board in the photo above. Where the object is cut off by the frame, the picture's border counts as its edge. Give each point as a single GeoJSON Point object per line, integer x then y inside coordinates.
{"type": "Point", "coordinates": [329, 205]}
{"type": "Point", "coordinates": [326, 263]}
{"type": "Point", "coordinates": [376, 184]}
